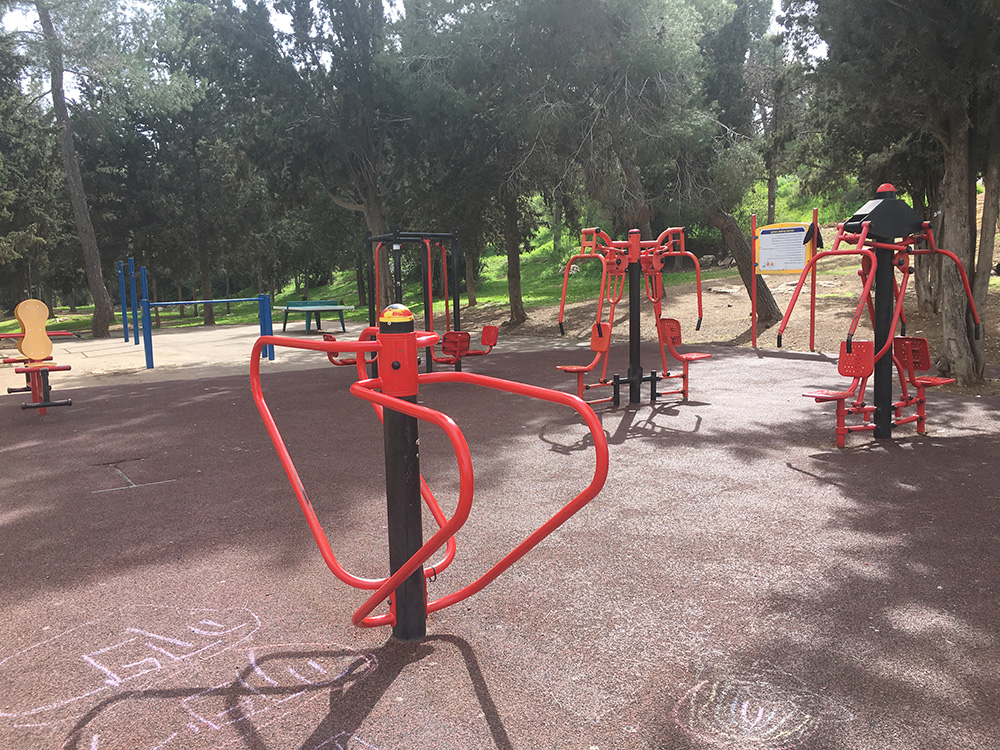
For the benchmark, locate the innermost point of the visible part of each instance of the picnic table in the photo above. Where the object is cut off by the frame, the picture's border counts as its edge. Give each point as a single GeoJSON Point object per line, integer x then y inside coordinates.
{"type": "Point", "coordinates": [314, 307]}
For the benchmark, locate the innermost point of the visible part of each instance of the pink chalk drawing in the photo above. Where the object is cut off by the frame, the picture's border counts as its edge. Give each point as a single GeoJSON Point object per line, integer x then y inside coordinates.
{"type": "Point", "coordinates": [756, 707]}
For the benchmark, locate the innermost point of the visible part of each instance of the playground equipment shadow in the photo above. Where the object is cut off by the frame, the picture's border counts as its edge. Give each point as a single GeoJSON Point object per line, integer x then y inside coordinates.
{"type": "Point", "coordinates": [739, 582]}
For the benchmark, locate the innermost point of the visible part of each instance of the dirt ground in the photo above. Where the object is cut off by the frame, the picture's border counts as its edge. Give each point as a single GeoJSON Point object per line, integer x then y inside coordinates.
{"type": "Point", "coordinates": [726, 319]}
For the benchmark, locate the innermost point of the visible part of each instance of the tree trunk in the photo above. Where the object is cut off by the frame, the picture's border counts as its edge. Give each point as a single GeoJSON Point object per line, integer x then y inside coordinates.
{"type": "Point", "coordinates": [987, 235]}
{"type": "Point", "coordinates": [557, 225]}
{"type": "Point", "coordinates": [772, 193]}
{"type": "Point", "coordinates": [359, 276]}
{"type": "Point", "coordinates": [374, 218]}
{"type": "Point", "coordinates": [736, 244]}
{"type": "Point", "coordinates": [957, 189]}
{"type": "Point", "coordinates": [637, 211]}
{"type": "Point", "coordinates": [512, 241]}
{"type": "Point", "coordinates": [208, 310]}
{"type": "Point", "coordinates": [922, 267]}
{"type": "Point", "coordinates": [103, 309]}
{"type": "Point", "coordinates": [156, 298]}
{"type": "Point", "coordinates": [470, 278]}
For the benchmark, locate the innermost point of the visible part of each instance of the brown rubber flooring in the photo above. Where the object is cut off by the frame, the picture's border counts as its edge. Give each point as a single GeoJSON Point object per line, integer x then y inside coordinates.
{"type": "Point", "coordinates": [739, 583]}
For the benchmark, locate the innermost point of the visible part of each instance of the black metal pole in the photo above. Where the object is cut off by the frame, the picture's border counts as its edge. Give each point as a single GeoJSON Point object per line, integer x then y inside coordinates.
{"type": "Point", "coordinates": [427, 273]}
{"type": "Point", "coordinates": [372, 291]}
{"type": "Point", "coordinates": [634, 328]}
{"type": "Point", "coordinates": [372, 297]}
{"type": "Point", "coordinates": [884, 301]}
{"type": "Point", "coordinates": [397, 268]}
{"type": "Point", "coordinates": [456, 296]}
{"type": "Point", "coordinates": [402, 487]}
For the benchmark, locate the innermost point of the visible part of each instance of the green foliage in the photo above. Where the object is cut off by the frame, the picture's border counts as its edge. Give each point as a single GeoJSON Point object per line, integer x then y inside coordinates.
{"type": "Point", "coordinates": [795, 203]}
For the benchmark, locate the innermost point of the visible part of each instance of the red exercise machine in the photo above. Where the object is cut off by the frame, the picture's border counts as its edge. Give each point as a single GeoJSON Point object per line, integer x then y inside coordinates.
{"type": "Point", "coordinates": [455, 344]}
{"type": "Point", "coordinates": [623, 261]}
{"type": "Point", "coordinates": [393, 395]}
{"type": "Point", "coordinates": [874, 231]}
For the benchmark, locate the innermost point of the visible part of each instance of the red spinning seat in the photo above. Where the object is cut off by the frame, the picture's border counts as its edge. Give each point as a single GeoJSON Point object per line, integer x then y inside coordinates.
{"type": "Point", "coordinates": [857, 364]}
{"type": "Point", "coordinates": [668, 331]}
{"type": "Point", "coordinates": [911, 355]}
{"type": "Point", "coordinates": [600, 343]}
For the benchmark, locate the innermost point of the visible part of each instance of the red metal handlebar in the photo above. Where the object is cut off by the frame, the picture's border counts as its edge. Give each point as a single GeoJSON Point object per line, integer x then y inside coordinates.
{"type": "Point", "coordinates": [858, 250]}
{"type": "Point", "coordinates": [293, 476]}
{"type": "Point", "coordinates": [367, 389]}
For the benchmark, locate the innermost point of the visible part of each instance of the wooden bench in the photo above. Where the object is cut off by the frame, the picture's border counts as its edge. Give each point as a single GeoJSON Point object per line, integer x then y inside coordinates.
{"type": "Point", "coordinates": [314, 307]}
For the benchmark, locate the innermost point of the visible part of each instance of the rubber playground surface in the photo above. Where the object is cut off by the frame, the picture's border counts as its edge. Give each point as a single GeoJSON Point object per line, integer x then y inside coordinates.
{"type": "Point", "coordinates": [739, 583]}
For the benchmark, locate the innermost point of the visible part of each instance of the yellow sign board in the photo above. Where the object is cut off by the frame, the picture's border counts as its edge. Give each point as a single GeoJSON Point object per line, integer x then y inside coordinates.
{"type": "Point", "coordinates": [783, 248]}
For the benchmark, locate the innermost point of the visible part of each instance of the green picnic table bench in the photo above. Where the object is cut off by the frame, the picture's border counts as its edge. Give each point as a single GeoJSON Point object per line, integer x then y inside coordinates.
{"type": "Point", "coordinates": [314, 307]}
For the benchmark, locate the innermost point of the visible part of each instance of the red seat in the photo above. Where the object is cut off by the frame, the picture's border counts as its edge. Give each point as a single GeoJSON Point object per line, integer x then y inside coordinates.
{"type": "Point", "coordinates": [600, 343]}
{"type": "Point", "coordinates": [456, 343]}
{"type": "Point", "coordinates": [668, 331]}
{"type": "Point", "coordinates": [911, 355]}
{"type": "Point", "coordinates": [858, 364]}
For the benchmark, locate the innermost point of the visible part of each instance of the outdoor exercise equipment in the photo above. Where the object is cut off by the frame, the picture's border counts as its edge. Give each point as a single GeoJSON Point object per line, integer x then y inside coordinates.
{"type": "Point", "coordinates": [455, 343]}
{"type": "Point", "coordinates": [123, 296]}
{"type": "Point", "coordinates": [145, 305]}
{"type": "Point", "coordinates": [263, 314]}
{"type": "Point", "coordinates": [784, 248]}
{"type": "Point", "coordinates": [621, 263]}
{"type": "Point", "coordinates": [856, 363]}
{"type": "Point", "coordinates": [875, 231]}
{"type": "Point", "coordinates": [911, 356]}
{"type": "Point", "coordinates": [393, 395]}
{"type": "Point", "coordinates": [669, 333]}
{"type": "Point", "coordinates": [35, 361]}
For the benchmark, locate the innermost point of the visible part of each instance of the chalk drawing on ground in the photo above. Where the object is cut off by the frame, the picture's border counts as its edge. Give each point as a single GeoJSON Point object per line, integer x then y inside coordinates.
{"type": "Point", "coordinates": [91, 660]}
{"type": "Point", "coordinates": [758, 706]}
{"type": "Point", "coordinates": [149, 678]}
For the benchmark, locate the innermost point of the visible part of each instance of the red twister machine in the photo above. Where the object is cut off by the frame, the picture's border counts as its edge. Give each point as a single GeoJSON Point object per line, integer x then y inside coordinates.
{"type": "Point", "coordinates": [622, 264]}
{"type": "Point", "coordinates": [393, 345]}
{"type": "Point", "coordinates": [885, 233]}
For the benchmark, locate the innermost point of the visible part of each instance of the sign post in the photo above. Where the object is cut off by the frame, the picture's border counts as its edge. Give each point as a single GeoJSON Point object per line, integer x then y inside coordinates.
{"type": "Point", "coordinates": [784, 248]}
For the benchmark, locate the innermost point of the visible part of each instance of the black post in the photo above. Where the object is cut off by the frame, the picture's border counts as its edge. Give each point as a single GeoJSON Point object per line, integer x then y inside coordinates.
{"type": "Point", "coordinates": [372, 294]}
{"type": "Point", "coordinates": [427, 274]}
{"type": "Point", "coordinates": [884, 300]}
{"type": "Point", "coordinates": [402, 470]}
{"type": "Point", "coordinates": [456, 296]}
{"type": "Point", "coordinates": [372, 291]}
{"type": "Point", "coordinates": [397, 266]}
{"type": "Point", "coordinates": [634, 328]}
